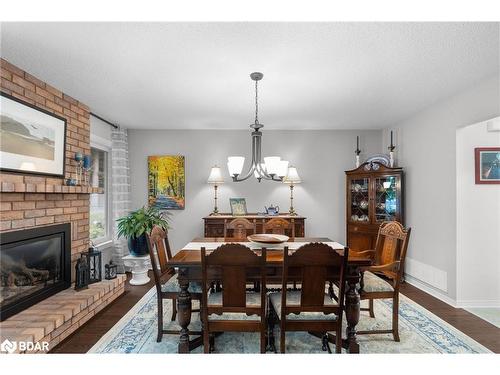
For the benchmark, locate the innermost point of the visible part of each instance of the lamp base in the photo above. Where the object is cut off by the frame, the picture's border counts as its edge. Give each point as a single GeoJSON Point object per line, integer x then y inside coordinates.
{"type": "Point", "coordinates": [292, 212]}
{"type": "Point", "coordinates": [215, 213]}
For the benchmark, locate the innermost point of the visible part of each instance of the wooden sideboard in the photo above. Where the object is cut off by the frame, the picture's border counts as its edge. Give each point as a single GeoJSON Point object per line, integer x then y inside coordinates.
{"type": "Point", "coordinates": [214, 224]}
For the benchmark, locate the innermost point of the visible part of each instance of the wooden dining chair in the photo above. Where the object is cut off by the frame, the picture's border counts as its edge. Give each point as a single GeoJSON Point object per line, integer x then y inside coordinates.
{"type": "Point", "coordinates": [310, 309]}
{"type": "Point", "coordinates": [388, 261]}
{"type": "Point", "coordinates": [167, 286]}
{"type": "Point", "coordinates": [234, 309]}
{"type": "Point", "coordinates": [240, 228]}
{"type": "Point", "coordinates": [278, 225]}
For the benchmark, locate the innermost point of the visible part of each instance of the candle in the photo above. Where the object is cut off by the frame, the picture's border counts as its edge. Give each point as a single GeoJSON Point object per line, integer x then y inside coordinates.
{"type": "Point", "coordinates": [86, 161]}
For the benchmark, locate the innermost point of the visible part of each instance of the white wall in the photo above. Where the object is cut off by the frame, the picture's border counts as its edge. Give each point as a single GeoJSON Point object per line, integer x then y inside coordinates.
{"type": "Point", "coordinates": [320, 157]}
{"type": "Point", "coordinates": [478, 224]}
{"type": "Point", "coordinates": [427, 150]}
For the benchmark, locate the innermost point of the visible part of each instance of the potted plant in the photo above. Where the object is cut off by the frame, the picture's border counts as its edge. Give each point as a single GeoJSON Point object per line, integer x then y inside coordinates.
{"type": "Point", "coordinates": [136, 224]}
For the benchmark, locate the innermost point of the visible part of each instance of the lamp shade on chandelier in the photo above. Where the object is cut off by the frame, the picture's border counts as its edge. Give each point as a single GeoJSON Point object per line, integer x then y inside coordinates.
{"type": "Point", "coordinates": [273, 168]}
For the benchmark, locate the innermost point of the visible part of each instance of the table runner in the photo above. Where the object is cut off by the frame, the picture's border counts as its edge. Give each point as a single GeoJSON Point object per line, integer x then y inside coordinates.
{"type": "Point", "coordinates": [255, 246]}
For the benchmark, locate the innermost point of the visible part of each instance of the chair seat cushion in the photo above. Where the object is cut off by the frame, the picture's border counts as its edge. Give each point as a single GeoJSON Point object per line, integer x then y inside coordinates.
{"type": "Point", "coordinates": [293, 299]}
{"type": "Point", "coordinates": [373, 283]}
{"type": "Point", "coordinates": [172, 286]}
{"type": "Point", "coordinates": [252, 299]}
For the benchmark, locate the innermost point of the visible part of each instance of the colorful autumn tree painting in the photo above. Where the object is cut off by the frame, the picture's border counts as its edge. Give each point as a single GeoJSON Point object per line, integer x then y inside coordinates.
{"type": "Point", "coordinates": [166, 182]}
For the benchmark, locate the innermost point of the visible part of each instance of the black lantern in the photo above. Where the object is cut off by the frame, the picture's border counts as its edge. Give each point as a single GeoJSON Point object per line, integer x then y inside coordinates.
{"type": "Point", "coordinates": [82, 273]}
{"type": "Point", "coordinates": [94, 263]}
{"type": "Point", "coordinates": [110, 271]}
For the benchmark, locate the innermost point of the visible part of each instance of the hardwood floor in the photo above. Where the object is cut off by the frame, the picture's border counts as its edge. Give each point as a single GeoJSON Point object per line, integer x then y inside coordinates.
{"type": "Point", "coordinates": [85, 337]}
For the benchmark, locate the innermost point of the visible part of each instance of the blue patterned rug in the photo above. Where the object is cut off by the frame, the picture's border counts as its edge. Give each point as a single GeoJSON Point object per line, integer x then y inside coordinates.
{"type": "Point", "coordinates": [420, 332]}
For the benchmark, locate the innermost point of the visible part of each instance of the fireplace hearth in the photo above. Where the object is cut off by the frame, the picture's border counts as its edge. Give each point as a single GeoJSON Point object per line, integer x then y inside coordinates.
{"type": "Point", "coordinates": [35, 264]}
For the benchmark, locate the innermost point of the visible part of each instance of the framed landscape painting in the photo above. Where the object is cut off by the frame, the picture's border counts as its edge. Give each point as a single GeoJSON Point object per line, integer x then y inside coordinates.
{"type": "Point", "coordinates": [166, 182]}
{"type": "Point", "coordinates": [487, 165]}
{"type": "Point", "coordinates": [31, 140]}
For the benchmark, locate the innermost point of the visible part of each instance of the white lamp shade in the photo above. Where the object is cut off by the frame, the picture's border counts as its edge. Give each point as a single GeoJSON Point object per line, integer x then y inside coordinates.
{"type": "Point", "coordinates": [215, 176]}
{"type": "Point", "coordinates": [292, 177]}
{"type": "Point", "coordinates": [272, 164]}
{"type": "Point", "coordinates": [282, 168]}
{"type": "Point", "coordinates": [235, 164]}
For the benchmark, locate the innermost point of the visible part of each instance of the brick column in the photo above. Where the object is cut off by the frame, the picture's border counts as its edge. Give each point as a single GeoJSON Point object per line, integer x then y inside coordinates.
{"type": "Point", "coordinates": [120, 191]}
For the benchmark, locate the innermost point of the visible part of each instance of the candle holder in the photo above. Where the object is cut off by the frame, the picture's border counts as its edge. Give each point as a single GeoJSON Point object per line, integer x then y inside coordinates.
{"type": "Point", "coordinates": [79, 167]}
{"type": "Point", "coordinates": [87, 167]}
{"type": "Point", "coordinates": [357, 152]}
{"type": "Point", "coordinates": [391, 149]}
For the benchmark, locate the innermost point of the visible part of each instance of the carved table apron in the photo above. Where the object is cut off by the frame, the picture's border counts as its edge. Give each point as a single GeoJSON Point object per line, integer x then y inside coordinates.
{"type": "Point", "coordinates": [188, 263]}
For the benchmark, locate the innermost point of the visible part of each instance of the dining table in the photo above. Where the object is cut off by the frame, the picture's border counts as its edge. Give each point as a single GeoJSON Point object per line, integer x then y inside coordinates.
{"type": "Point", "coordinates": [187, 261]}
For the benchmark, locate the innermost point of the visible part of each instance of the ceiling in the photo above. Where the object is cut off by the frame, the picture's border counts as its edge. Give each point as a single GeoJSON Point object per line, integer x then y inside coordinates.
{"type": "Point", "coordinates": [196, 75]}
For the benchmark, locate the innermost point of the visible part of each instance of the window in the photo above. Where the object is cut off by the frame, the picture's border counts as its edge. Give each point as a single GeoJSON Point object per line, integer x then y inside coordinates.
{"type": "Point", "coordinates": [99, 203]}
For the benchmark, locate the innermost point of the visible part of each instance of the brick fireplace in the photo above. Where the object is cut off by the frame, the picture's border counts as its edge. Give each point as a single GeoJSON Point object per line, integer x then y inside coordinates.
{"type": "Point", "coordinates": [28, 201]}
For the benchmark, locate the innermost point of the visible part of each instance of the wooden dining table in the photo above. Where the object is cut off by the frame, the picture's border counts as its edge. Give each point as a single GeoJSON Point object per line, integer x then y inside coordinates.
{"type": "Point", "coordinates": [188, 263]}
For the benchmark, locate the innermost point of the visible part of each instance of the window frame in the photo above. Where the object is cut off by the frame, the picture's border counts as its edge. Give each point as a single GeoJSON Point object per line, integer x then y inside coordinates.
{"type": "Point", "coordinates": [103, 144]}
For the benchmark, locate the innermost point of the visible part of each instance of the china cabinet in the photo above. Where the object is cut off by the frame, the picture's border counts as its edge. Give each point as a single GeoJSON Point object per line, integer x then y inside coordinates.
{"type": "Point", "coordinates": [374, 194]}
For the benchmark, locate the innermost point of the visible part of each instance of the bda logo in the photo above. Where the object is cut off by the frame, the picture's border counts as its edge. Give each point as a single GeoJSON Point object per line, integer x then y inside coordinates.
{"type": "Point", "coordinates": [8, 346]}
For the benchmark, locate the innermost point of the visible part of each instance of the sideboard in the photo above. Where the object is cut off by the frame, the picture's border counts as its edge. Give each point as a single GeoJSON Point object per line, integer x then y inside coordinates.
{"type": "Point", "coordinates": [215, 224]}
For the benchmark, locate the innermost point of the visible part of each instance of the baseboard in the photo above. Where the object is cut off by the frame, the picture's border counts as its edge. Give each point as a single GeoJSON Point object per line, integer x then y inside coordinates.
{"type": "Point", "coordinates": [430, 290]}
{"type": "Point", "coordinates": [478, 304]}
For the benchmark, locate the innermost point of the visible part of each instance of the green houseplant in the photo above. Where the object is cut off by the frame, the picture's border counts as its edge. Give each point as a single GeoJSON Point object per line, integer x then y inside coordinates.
{"type": "Point", "coordinates": [136, 224]}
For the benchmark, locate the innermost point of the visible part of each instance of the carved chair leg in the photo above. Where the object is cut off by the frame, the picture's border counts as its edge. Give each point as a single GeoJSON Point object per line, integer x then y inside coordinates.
{"type": "Point", "coordinates": [206, 340]}
{"type": "Point", "coordinates": [271, 320]}
{"type": "Point", "coordinates": [370, 308]}
{"type": "Point", "coordinates": [338, 340]}
{"type": "Point", "coordinates": [263, 338]}
{"type": "Point", "coordinates": [395, 317]}
{"type": "Point", "coordinates": [282, 338]}
{"type": "Point", "coordinates": [325, 343]}
{"type": "Point", "coordinates": [174, 309]}
{"type": "Point", "coordinates": [212, 342]}
{"type": "Point", "coordinates": [160, 320]}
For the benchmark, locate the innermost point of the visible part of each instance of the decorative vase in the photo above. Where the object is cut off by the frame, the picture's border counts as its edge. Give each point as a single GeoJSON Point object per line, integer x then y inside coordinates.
{"type": "Point", "coordinates": [138, 246]}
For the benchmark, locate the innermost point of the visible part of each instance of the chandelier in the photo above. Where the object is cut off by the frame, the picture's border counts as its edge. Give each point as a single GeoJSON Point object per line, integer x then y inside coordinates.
{"type": "Point", "coordinates": [273, 168]}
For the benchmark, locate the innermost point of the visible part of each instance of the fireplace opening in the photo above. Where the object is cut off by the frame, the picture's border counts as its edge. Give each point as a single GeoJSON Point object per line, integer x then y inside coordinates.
{"type": "Point", "coordinates": [35, 264]}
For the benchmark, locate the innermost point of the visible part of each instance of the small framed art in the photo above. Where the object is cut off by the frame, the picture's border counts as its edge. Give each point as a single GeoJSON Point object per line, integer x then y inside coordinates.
{"type": "Point", "coordinates": [238, 206]}
{"type": "Point", "coordinates": [487, 165]}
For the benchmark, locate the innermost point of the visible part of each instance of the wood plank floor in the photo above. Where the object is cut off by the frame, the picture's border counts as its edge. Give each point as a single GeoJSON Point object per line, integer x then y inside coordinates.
{"type": "Point", "coordinates": [85, 337]}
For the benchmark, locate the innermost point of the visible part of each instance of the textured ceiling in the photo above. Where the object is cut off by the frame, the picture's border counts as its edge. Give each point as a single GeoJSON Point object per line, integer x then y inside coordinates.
{"type": "Point", "coordinates": [196, 75]}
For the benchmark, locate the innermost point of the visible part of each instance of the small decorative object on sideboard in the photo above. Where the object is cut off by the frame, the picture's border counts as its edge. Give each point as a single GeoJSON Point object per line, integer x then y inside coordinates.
{"type": "Point", "coordinates": [110, 270]}
{"type": "Point", "coordinates": [487, 160]}
{"type": "Point", "coordinates": [238, 206]}
{"type": "Point", "coordinates": [95, 263]}
{"type": "Point", "coordinates": [272, 210]}
{"type": "Point", "coordinates": [82, 273]}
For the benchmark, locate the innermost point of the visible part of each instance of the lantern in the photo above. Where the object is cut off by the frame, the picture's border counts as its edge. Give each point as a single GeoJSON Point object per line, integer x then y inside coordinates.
{"type": "Point", "coordinates": [94, 263]}
{"type": "Point", "coordinates": [110, 271]}
{"type": "Point", "coordinates": [82, 273]}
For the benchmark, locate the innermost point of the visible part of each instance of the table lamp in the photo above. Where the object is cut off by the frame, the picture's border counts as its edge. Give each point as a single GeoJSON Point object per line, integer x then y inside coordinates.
{"type": "Point", "coordinates": [216, 179]}
{"type": "Point", "coordinates": [292, 178]}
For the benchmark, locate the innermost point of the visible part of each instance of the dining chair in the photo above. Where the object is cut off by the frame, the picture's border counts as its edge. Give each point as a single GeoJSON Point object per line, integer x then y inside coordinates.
{"type": "Point", "coordinates": [278, 225]}
{"type": "Point", "coordinates": [233, 309]}
{"type": "Point", "coordinates": [167, 286]}
{"type": "Point", "coordinates": [309, 309]}
{"type": "Point", "coordinates": [240, 227]}
{"type": "Point", "coordinates": [388, 261]}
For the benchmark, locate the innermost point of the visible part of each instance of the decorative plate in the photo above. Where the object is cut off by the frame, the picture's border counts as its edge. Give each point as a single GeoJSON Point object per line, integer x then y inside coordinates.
{"type": "Point", "coordinates": [268, 238]}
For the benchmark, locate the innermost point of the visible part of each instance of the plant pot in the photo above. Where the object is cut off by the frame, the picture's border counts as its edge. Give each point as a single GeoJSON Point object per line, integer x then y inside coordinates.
{"type": "Point", "coordinates": [138, 246]}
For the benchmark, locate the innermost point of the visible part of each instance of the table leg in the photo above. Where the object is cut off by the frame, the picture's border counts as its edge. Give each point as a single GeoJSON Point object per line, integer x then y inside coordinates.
{"type": "Point", "coordinates": [184, 315]}
{"type": "Point", "coordinates": [352, 309]}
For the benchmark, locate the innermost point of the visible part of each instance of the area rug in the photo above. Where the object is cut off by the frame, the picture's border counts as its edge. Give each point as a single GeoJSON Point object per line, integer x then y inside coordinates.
{"type": "Point", "coordinates": [420, 332]}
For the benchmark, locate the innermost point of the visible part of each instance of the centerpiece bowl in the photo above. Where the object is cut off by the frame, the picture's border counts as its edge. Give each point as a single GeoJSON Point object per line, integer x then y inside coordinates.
{"type": "Point", "coordinates": [268, 239]}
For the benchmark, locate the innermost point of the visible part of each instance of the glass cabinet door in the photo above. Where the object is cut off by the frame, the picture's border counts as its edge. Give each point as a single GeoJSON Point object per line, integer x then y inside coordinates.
{"type": "Point", "coordinates": [386, 199]}
{"type": "Point", "coordinates": [360, 200]}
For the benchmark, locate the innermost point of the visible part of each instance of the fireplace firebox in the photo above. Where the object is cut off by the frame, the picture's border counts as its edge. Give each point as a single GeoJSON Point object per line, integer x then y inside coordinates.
{"type": "Point", "coordinates": [35, 264]}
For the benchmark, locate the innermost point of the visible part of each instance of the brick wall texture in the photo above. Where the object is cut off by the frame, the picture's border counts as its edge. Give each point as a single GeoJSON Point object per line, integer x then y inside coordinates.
{"type": "Point", "coordinates": [25, 210]}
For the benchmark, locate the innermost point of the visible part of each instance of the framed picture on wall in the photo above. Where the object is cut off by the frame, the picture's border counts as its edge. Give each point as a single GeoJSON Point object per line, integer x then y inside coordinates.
{"type": "Point", "coordinates": [166, 182]}
{"type": "Point", "coordinates": [487, 165]}
{"type": "Point", "coordinates": [238, 206]}
{"type": "Point", "coordinates": [32, 140]}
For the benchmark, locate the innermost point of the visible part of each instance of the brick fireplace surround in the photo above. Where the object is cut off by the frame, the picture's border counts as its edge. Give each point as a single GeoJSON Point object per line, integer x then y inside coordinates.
{"type": "Point", "coordinates": [28, 200]}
